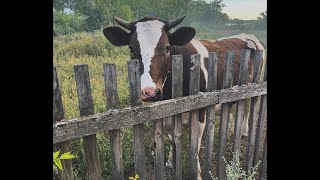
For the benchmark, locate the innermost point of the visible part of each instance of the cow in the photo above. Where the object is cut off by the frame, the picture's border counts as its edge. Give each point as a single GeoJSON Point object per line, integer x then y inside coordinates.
{"type": "Point", "coordinates": [150, 41]}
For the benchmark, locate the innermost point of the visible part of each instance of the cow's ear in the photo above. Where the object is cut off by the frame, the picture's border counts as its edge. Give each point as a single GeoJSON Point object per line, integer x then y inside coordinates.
{"type": "Point", "coordinates": [116, 35]}
{"type": "Point", "coordinates": [182, 36]}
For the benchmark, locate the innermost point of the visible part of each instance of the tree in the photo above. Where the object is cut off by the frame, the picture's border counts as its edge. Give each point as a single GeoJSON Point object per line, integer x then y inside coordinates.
{"type": "Point", "coordinates": [263, 16]}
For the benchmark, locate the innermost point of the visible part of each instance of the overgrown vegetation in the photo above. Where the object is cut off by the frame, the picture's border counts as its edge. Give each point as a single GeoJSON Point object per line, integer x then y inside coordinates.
{"type": "Point", "coordinates": [235, 172]}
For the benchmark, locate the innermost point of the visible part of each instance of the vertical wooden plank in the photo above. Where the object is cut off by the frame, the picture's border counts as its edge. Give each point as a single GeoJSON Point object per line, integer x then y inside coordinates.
{"type": "Point", "coordinates": [263, 173]}
{"type": "Point", "coordinates": [260, 127]}
{"type": "Point", "coordinates": [224, 117]}
{"type": "Point", "coordinates": [177, 87]}
{"type": "Point", "coordinates": [210, 121]}
{"type": "Point", "coordinates": [253, 111]}
{"type": "Point", "coordinates": [58, 114]}
{"type": "Point", "coordinates": [110, 81]}
{"type": "Point", "coordinates": [194, 120]}
{"type": "Point", "coordinates": [243, 79]}
{"type": "Point", "coordinates": [212, 71]}
{"type": "Point", "coordinates": [158, 149]}
{"type": "Point", "coordinates": [138, 130]}
{"type": "Point", "coordinates": [265, 73]}
{"type": "Point", "coordinates": [86, 108]}
{"type": "Point", "coordinates": [261, 121]}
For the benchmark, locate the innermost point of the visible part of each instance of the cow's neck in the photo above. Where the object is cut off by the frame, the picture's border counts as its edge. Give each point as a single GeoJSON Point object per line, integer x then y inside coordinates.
{"type": "Point", "coordinates": [186, 51]}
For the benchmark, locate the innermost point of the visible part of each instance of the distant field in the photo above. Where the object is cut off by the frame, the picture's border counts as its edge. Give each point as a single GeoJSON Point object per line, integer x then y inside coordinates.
{"type": "Point", "coordinates": [94, 50]}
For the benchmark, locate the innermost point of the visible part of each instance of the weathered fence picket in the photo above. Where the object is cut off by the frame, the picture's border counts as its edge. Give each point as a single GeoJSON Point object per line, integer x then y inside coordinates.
{"type": "Point", "coordinates": [210, 119]}
{"type": "Point", "coordinates": [261, 123]}
{"type": "Point", "coordinates": [110, 81]}
{"type": "Point", "coordinates": [243, 79]}
{"type": "Point", "coordinates": [194, 118]}
{"type": "Point", "coordinates": [177, 89]}
{"type": "Point", "coordinates": [81, 73]}
{"type": "Point", "coordinates": [58, 114]}
{"type": "Point", "coordinates": [224, 117]}
{"type": "Point", "coordinates": [138, 130]}
{"type": "Point", "coordinates": [254, 107]}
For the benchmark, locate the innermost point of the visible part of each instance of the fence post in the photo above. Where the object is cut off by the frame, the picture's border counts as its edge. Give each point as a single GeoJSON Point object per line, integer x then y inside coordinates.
{"type": "Point", "coordinates": [210, 121]}
{"type": "Point", "coordinates": [253, 111]}
{"type": "Point", "coordinates": [261, 121]}
{"type": "Point", "coordinates": [224, 117]}
{"type": "Point", "coordinates": [177, 88]}
{"type": "Point", "coordinates": [243, 79]}
{"type": "Point", "coordinates": [138, 130]}
{"type": "Point", "coordinates": [110, 81]}
{"type": "Point", "coordinates": [194, 120]}
{"type": "Point", "coordinates": [58, 114]}
{"type": "Point", "coordinates": [86, 108]}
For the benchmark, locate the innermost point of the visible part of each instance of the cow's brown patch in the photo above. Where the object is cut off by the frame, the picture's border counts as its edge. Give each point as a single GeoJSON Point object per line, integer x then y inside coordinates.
{"type": "Point", "coordinates": [160, 62]}
{"type": "Point", "coordinates": [221, 48]}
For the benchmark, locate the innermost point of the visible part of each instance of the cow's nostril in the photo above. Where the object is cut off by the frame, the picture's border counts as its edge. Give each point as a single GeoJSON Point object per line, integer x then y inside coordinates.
{"type": "Point", "coordinates": [157, 92]}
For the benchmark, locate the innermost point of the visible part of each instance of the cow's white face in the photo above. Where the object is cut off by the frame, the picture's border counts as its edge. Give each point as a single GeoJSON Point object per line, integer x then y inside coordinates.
{"type": "Point", "coordinates": [149, 42]}
{"type": "Point", "coordinates": [148, 36]}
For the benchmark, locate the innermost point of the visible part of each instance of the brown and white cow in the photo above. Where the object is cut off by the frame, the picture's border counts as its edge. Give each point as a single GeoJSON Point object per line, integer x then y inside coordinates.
{"type": "Point", "coordinates": [151, 42]}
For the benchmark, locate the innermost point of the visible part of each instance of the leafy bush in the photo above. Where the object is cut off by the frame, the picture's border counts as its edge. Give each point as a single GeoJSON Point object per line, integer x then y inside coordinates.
{"type": "Point", "coordinates": [64, 23]}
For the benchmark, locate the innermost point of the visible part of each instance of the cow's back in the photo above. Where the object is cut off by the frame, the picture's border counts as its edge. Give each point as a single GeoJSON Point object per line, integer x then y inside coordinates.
{"type": "Point", "coordinates": [221, 47]}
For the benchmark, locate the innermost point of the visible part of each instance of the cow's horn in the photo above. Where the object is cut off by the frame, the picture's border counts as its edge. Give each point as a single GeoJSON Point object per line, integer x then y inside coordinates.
{"type": "Point", "coordinates": [123, 23]}
{"type": "Point", "coordinates": [175, 22]}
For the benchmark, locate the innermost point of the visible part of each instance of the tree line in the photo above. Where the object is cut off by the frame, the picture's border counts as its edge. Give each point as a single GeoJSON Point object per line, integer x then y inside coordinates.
{"type": "Point", "coordinates": [90, 15]}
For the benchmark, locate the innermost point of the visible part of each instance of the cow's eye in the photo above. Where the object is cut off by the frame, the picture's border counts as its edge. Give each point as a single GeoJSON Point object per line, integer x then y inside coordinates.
{"type": "Point", "coordinates": [167, 49]}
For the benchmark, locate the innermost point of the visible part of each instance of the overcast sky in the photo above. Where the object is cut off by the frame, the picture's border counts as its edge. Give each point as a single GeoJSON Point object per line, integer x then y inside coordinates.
{"type": "Point", "coordinates": [244, 9]}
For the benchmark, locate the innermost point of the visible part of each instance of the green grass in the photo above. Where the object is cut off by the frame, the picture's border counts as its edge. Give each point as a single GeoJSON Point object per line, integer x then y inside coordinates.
{"type": "Point", "coordinates": [93, 49]}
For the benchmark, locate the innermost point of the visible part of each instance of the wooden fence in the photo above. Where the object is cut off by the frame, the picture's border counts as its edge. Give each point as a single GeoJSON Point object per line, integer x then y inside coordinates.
{"type": "Point", "coordinates": [114, 119]}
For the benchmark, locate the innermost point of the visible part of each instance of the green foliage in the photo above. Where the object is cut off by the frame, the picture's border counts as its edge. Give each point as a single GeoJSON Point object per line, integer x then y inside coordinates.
{"type": "Point", "coordinates": [59, 4]}
{"type": "Point", "coordinates": [64, 23]}
{"type": "Point", "coordinates": [235, 172]}
{"type": "Point", "coordinates": [263, 16]}
{"type": "Point", "coordinates": [135, 177]}
{"type": "Point", "coordinates": [92, 49]}
{"type": "Point", "coordinates": [67, 155]}
{"type": "Point", "coordinates": [57, 160]}
{"type": "Point", "coordinates": [95, 14]}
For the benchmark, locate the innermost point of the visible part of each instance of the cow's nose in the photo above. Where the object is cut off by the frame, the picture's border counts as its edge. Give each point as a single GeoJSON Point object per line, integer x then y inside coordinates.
{"type": "Point", "coordinates": [150, 93]}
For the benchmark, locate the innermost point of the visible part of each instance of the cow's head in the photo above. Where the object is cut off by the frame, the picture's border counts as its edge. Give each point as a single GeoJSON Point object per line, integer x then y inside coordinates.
{"type": "Point", "coordinates": [150, 42]}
